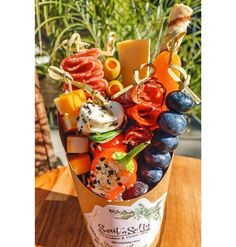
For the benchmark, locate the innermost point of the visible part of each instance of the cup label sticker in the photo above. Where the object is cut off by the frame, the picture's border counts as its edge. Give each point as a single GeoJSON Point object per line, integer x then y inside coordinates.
{"type": "Point", "coordinates": [126, 226]}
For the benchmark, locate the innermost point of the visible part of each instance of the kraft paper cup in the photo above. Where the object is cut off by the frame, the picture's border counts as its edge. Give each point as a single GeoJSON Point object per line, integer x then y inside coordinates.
{"type": "Point", "coordinates": [131, 223]}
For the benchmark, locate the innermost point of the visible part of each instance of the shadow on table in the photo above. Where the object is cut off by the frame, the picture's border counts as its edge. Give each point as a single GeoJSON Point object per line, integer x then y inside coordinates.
{"type": "Point", "coordinates": [58, 220]}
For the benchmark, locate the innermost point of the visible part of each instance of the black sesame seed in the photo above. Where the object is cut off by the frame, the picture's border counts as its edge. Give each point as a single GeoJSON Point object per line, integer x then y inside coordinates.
{"type": "Point", "coordinates": [102, 158]}
{"type": "Point", "coordinates": [118, 179]}
{"type": "Point", "coordinates": [108, 181]}
{"type": "Point", "coordinates": [120, 184]}
{"type": "Point", "coordinates": [98, 168]}
{"type": "Point", "coordinates": [106, 165]}
{"type": "Point", "coordinates": [115, 122]}
{"type": "Point", "coordinates": [110, 173]}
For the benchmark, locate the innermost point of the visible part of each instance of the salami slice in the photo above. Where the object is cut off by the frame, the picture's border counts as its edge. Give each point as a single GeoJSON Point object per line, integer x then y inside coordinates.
{"type": "Point", "coordinates": [151, 93]}
{"type": "Point", "coordinates": [137, 134]}
{"type": "Point", "coordinates": [85, 67]}
{"type": "Point", "coordinates": [145, 115]}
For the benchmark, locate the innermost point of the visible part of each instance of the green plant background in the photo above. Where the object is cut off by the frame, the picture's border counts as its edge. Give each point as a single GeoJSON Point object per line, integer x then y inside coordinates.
{"type": "Point", "coordinates": [131, 19]}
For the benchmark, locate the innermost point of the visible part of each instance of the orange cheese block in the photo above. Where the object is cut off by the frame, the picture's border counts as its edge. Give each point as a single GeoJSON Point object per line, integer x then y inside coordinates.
{"type": "Point", "coordinates": [77, 144]}
{"type": "Point", "coordinates": [132, 54]}
{"type": "Point", "coordinates": [69, 122]}
{"type": "Point", "coordinates": [70, 102]}
{"type": "Point", "coordinates": [80, 163]}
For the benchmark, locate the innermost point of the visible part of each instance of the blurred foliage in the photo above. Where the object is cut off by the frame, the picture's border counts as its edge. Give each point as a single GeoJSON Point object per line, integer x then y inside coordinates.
{"type": "Point", "coordinates": [57, 20]}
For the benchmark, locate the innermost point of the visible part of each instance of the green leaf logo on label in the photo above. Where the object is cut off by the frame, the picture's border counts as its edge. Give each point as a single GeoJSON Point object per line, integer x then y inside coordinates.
{"type": "Point", "coordinates": [124, 226]}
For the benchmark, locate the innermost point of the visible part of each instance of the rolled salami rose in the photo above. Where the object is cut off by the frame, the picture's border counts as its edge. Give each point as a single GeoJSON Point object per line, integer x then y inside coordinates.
{"type": "Point", "coordinates": [151, 94]}
{"type": "Point", "coordinates": [136, 134]}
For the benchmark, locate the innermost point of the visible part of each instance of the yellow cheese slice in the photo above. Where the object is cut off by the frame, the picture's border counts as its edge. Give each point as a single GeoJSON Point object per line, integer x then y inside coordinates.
{"type": "Point", "coordinates": [132, 54]}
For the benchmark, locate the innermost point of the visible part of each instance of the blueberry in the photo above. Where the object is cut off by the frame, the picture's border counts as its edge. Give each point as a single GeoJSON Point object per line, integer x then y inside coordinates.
{"type": "Point", "coordinates": [179, 102]}
{"type": "Point", "coordinates": [137, 190]}
{"type": "Point", "coordinates": [151, 175]}
{"type": "Point", "coordinates": [164, 142]}
{"type": "Point", "coordinates": [154, 158]}
{"type": "Point", "coordinates": [172, 123]}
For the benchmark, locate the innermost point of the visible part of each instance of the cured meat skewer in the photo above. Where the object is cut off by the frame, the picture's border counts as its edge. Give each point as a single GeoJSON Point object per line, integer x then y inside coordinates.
{"type": "Point", "coordinates": [136, 134]}
{"type": "Point", "coordinates": [151, 94]}
{"type": "Point", "coordinates": [85, 67]}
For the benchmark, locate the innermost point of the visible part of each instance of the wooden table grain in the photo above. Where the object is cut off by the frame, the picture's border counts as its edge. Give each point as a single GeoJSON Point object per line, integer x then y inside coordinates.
{"type": "Point", "coordinates": [59, 221]}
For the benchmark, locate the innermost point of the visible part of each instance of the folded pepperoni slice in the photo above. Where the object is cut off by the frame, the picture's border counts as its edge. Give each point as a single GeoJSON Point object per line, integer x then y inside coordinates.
{"type": "Point", "coordinates": [151, 93]}
{"type": "Point", "coordinates": [81, 66]}
{"type": "Point", "coordinates": [85, 67]}
{"type": "Point", "coordinates": [144, 115]}
{"type": "Point", "coordinates": [86, 53]}
{"type": "Point", "coordinates": [137, 134]}
{"type": "Point", "coordinates": [99, 84]}
{"type": "Point", "coordinates": [72, 62]}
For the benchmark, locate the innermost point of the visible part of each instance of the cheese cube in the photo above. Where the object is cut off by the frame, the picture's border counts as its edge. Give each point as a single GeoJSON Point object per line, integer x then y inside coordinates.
{"type": "Point", "coordinates": [80, 163]}
{"type": "Point", "coordinates": [77, 144]}
{"type": "Point", "coordinates": [132, 54]}
{"type": "Point", "coordinates": [69, 122]}
{"type": "Point", "coordinates": [70, 102]}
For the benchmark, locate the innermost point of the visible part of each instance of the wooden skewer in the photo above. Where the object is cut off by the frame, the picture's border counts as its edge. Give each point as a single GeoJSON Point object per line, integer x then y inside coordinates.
{"type": "Point", "coordinates": [60, 74]}
{"type": "Point", "coordinates": [137, 80]}
{"type": "Point", "coordinates": [183, 85]}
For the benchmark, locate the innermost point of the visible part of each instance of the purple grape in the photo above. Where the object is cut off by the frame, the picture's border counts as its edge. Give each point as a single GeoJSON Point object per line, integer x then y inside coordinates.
{"type": "Point", "coordinates": [164, 142]}
{"type": "Point", "coordinates": [172, 123]}
{"type": "Point", "coordinates": [179, 101]}
{"type": "Point", "coordinates": [137, 190]}
{"type": "Point", "coordinates": [156, 159]}
{"type": "Point", "coordinates": [151, 175]}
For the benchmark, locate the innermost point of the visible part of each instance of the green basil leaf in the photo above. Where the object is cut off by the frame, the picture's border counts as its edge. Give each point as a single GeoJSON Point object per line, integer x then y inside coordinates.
{"type": "Point", "coordinates": [104, 137]}
{"type": "Point", "coordinates": [129, 166]}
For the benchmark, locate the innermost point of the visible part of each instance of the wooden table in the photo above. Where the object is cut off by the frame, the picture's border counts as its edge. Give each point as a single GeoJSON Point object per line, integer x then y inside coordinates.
{"type": "Point", "coordinates": [59, 221]}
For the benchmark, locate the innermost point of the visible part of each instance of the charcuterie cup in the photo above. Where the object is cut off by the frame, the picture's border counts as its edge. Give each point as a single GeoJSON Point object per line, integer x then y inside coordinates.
{"type": "Point", "coordinates": [137, 222]}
